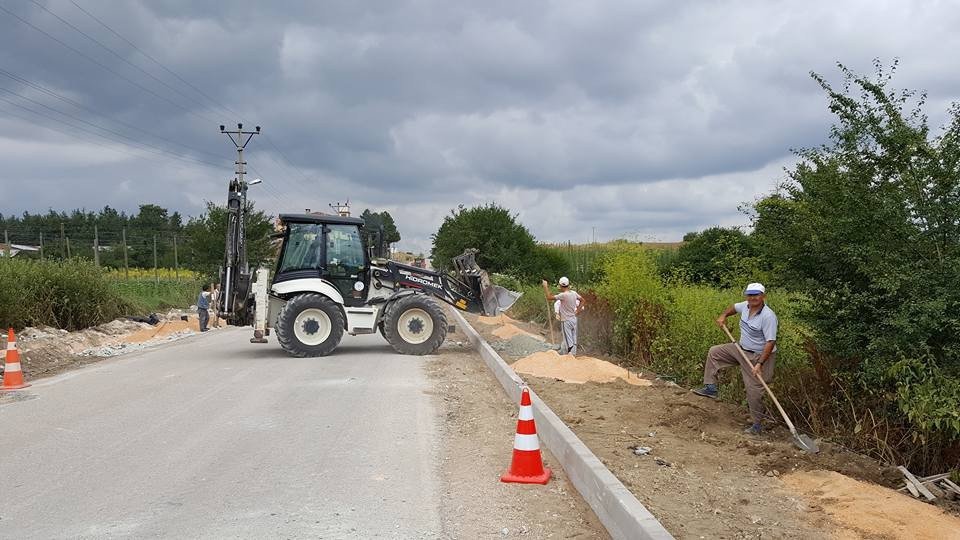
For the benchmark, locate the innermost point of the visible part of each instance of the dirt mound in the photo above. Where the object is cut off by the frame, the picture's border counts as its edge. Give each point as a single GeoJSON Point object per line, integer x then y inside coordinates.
{"type": "Point", "coordinates": [493, 321]}
{"type": "Point", "coordinates": [574, 369]}
{"type": "Point", "coordinates": [509, 331]}
{"type": "Point", "coordinates": [871, 511]}
{"type": "Point", "coordinates": [47, 351]}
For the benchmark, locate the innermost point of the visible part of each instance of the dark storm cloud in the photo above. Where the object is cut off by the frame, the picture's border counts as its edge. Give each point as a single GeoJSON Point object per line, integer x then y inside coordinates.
{"type": "Point", "coordinates": [647, 118]}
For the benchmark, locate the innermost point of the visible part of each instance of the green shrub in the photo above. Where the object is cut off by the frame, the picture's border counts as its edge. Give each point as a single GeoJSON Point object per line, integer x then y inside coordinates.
{"type": "Point", "coordinates": [72, 294]}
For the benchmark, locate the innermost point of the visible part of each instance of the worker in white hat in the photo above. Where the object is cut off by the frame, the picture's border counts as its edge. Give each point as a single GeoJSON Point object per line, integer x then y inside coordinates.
{"type": "Point", "coordinates": [571, 304]}
{"type": "Point", "coordinates": [758, 338]}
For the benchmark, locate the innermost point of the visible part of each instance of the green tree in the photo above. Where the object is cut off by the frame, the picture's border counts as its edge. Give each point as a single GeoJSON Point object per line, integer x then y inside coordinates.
{"type": "Point", "coordinates": [381, 231]}
{"type": "Point", "coordinates": [867, 227]}
{"type": "Point", "coordinates": [723, 257]}
{"type": "Point", "coordinates": [206, 237]}
{"type": "Point", "coordinates": [504, 245]}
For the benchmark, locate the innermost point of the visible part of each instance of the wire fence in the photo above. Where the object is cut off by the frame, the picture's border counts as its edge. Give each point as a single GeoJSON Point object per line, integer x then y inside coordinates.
{"type": "Point", "coordinates": [128, 254]}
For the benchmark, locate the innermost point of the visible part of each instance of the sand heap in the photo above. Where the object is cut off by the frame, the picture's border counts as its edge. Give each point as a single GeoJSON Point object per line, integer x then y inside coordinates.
{"type": "Point", "coordinates": [574, 369]}
{"type": "Point", "coordinates": [509, 331]}
{"type": "Point", "coordinates": [870, 510]}
{"type": "Point", "coordinates": [499, 319]}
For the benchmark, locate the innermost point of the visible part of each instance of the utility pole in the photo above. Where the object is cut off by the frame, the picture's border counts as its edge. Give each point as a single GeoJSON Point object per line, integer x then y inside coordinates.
{"type": "Point", "coordinates": [126, 267]}
{"type": "Point", "coordinates": [41, 245]}
{"type": "Point", "coordinates": [176, 259]}
{"type": "Point", "coordinates": [96, 247]}
{"type": "Point", "coordinates": [6, 242]}
{"type": "Point", "coordinates": [235, 256]}
{"type": "Point", "coordinates": [156, 273]}
{"type": "Point", "coordinates": [62, 237]}
{"type": "Point", "coordinates": [69, 256]}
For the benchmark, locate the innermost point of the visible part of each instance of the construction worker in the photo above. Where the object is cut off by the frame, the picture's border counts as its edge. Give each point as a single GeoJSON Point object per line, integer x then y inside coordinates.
{"type": "Point", "coordinates": [571, 304]}
{"type": "Point", "coordinates": [203, 307]}
{"type": "Point", "coordinates": [758, 338]}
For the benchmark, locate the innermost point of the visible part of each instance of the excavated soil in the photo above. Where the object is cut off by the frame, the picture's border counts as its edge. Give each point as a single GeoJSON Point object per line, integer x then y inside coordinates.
{"type": "Point", "coordinates": [704, 478]}
{"type": "Point", "coordinates": [575, 369]}
{"type": "Point", "coordinates": [48, 351]}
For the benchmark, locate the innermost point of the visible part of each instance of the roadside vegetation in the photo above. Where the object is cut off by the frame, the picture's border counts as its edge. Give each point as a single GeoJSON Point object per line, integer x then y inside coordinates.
{"type": "Point", "coordinates": [860, 250]}
{"type": "Point", "coordinates": [76, 294]}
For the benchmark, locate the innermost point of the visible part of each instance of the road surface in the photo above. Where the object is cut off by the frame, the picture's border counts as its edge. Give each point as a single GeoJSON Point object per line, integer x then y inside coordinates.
{"type": "Point", "coordinates": [213, 437]}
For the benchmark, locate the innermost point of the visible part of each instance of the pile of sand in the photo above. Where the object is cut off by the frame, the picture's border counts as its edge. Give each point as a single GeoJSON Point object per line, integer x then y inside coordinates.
{"type": "Point", "coordinates": [509, 331]}
{"type": "Point", "coordinates": [499, 319]}
{"type": "Point", "coordinates": [574, 369]}
{"type": "Point", "coordinates": [868, 510]}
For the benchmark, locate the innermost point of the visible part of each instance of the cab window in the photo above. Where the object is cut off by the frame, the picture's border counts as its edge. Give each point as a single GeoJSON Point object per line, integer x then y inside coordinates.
{"type": "Point", "coordinates": [345, 256]}
{"type": "Point", "coordinates": [304, 247]}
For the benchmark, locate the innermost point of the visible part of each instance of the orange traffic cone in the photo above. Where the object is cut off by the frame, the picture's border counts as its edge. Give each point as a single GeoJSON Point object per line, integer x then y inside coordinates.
{"type": "Point", "coordinates": [12, 375]}
{"type": "Point", "coordinates": [527, 466]}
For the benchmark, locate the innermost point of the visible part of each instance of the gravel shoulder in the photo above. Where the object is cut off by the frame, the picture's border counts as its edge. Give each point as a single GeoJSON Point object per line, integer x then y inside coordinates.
{"type": "Point", "coordinates": [477, 444]}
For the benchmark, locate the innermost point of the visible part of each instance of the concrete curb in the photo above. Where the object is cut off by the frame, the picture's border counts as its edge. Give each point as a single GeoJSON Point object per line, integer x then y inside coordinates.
{"type": "Point", "coordinates": [619, 511]}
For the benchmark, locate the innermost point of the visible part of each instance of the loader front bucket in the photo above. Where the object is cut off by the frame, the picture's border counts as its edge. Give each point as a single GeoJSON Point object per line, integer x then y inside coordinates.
{"type": "Point", "coordinates": [494, 298]}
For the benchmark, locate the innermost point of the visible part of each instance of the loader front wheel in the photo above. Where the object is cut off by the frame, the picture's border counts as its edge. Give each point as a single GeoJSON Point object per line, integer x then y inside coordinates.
{"type": "Point", "coordinates": [309, 325]}
{"type": "Point", "coordinates": [415, 325]}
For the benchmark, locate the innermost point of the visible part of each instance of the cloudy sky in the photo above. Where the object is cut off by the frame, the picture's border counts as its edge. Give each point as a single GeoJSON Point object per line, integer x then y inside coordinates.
{"type": "Point", "coordinates": [629, 118]}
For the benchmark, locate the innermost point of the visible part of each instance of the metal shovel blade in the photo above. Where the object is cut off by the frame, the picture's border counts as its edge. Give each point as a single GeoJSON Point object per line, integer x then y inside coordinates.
{"type": "Point", "coordinates": [805, 443]}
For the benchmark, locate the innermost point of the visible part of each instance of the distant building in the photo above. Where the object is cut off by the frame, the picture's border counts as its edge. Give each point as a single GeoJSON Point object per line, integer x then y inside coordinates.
{"type": "Point", "coordinates": [17, 248]}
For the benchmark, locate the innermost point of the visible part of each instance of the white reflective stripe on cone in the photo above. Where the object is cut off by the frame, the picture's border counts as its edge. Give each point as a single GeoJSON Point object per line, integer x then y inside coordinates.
{"type": "Point", "coordinates": [11, 367]}
{"type": "Point", "coordinates": [526, 412]}
{"type": "Point", "coordinates": [11, 345]}
{"type": "Point", "coordinates": [526, 442]}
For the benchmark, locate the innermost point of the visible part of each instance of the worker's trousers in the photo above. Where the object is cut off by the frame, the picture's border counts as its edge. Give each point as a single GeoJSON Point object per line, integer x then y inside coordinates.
{"type": "Point", "coordinates": [726, 355]}
{"type": "Point", "coordinates": [569, 330]}
{"type": "Point", "coordinates": [204, 317]}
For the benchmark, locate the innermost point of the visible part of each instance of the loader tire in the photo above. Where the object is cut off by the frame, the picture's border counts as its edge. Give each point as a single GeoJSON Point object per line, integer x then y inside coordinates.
{"type": "Point", "coordinates": [309, 325]}
{"type": "Point", "coordinates": [415, 325]}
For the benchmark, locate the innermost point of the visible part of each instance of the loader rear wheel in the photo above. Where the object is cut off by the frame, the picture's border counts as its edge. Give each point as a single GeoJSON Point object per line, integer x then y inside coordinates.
{"type": "Point", "coordinates": [309, 325]}
{"type": "Point", "coordinates": [415, 325]}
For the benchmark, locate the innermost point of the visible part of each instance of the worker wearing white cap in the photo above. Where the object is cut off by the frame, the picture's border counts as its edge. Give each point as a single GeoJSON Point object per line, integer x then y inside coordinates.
{"type": "Point", "coordinates": [571, 304]}
{"type": "Point", "coordinates": [758, 338]}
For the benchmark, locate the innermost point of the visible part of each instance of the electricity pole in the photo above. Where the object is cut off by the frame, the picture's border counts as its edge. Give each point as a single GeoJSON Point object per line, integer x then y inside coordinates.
{"type": "Point", "coordinates": [235, 256]}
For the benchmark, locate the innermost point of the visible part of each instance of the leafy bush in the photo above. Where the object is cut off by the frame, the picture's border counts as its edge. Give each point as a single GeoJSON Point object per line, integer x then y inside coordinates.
{"type": "Point", "coordinates": [505, 246]}
{"type": "Point", "coordinates": [717, 256]}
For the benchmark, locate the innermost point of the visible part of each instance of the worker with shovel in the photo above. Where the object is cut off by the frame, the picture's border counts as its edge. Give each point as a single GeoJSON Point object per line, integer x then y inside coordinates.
{"type": "Point", "coordinates": [571, 304]}
{"type": "Point", "coordinates": [758, 339]}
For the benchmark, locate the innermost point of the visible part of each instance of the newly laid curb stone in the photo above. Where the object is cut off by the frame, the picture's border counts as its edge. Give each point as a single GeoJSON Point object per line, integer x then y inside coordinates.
{"type": "Point", "coordinates": [619, 511]}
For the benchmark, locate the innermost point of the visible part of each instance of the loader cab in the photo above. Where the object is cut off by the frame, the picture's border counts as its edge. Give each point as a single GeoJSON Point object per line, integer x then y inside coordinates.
{"type": "Point", "coordinates": [325, 247]}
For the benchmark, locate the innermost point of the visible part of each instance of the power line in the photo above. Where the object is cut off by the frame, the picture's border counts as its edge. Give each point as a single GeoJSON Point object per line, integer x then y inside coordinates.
{"type": "Point", "coordinates": [114, 53]}
{"type": "Point", "coordinates": [110, 70]}
{"type": "Point", "coordinates": [198, 90]}
{"type": "Point", "coordinates": [145, 147]}
{"type": "Point", "coordinates": [51, 93]}
{"type": "Point", "coordinates": [155, 61]}
{"type": "Point", "coordinates": [97, 62]}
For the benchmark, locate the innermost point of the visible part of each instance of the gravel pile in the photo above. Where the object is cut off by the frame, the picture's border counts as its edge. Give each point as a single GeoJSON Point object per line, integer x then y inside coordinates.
{"type": "Point", "coordinates": [521, 345]}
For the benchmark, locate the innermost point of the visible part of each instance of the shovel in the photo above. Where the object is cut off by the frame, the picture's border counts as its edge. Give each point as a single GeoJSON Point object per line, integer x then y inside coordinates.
{"type": "Point", "coordinates": [801, 441]}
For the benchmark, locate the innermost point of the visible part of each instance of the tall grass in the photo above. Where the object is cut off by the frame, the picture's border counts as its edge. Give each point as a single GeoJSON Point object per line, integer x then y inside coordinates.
{"type": "Point", "coordinates": [145, 296]}
{"type": "Point", "coordinates": [72, 294]}
{"type": "Point", "coordinates": [76, 294]}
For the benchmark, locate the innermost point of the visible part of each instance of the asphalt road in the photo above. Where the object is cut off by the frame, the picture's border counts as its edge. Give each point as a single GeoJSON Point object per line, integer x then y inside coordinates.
{"type": "Point", "coordinates": [213, 437]}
